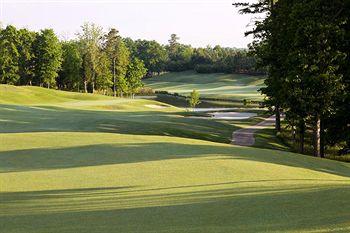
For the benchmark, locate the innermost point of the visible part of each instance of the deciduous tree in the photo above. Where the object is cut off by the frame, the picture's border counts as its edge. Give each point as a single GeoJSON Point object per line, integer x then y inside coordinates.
{"type": "Point", "coordinates": [136, 71]}
{"type": "Point", "coordinates": [48, 57]}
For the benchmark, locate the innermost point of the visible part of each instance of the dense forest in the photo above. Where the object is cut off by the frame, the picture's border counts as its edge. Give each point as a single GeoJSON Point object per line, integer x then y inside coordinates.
{"type": "Point", "coordinates": [105, 62]}
{"type": "Point", "coordinates": [304, 45]}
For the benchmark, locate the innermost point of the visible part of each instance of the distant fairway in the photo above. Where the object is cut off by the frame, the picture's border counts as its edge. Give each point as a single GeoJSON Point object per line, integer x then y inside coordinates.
{"type": "Point", "coordinates": [86, 163]}
{"type": "Point", "coordinates": [226, 86]}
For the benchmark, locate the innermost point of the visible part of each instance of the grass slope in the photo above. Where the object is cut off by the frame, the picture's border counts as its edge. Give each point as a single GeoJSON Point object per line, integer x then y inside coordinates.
{"type": "Point", "coordinates": [62, 171]}
{"type": "Point", "coordinates": [104, 114]}
{"type": "Point", "coordinates": [232, 86]}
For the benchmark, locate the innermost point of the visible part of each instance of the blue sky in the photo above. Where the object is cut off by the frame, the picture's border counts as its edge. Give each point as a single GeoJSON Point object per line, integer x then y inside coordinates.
{"type": "Point", "coordinates": [197, 22]}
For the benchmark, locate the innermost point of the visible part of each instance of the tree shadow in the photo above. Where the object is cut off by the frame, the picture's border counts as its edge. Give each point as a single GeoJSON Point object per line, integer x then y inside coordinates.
{"type": "Point", "coordinates": [117, 153]}
{"type": "Point", "coordinates": [230, 209]}
{"type": "Point", "coordinates": [57, 119]}
{"type": "Point", "coordinates": [100, 154]}
{"type": "Point", "coordinates": [291, 159]}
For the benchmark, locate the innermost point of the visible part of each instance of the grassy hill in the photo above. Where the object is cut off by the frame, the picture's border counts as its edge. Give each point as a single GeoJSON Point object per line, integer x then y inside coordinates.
{"type": "Point", "coordinates": [226, 86]}
{"type": "Point", "coordinates": [89, 163]}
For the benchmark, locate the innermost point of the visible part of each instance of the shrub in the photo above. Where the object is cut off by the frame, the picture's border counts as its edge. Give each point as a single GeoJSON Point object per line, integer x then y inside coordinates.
{"type": "Point", "coordinates": [145, 91]}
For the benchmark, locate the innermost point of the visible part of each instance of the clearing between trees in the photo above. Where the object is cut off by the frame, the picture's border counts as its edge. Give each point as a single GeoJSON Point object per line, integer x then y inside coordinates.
{"type": "Point", "coordinates": [217, 85]}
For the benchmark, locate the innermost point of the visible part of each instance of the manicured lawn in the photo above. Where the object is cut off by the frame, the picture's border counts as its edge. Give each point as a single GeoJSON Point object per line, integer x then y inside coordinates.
{"type": "Point", "coordinates": [97, 164]}
{"type": "Point", "coordinates": [70, 112]}
{"type": "Point", "coordinates": [226, 86]}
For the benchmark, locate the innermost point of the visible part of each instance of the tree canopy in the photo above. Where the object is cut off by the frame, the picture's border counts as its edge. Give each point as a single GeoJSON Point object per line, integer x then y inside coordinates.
{"type": "Point", "coordinates": [304, 46]}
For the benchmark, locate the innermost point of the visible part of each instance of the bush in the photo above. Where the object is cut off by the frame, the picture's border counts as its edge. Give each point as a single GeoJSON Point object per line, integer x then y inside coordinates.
{"type": "Point", "coordinates": [246, 102]}
{"type": "Point", "coordinates": [146, 91]}
{"type": "Point", "coordinates": [162, 92]}
{"type": "Point", "coordinates": [205, 68]}
{"type": "Point", "coordinates": [177, 66]}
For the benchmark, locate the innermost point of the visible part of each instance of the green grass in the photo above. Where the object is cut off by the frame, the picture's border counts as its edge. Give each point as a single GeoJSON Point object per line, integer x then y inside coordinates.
{"type": "Point", "coordinates": [104, 114]}
{"type": "Point", "coordinates": [226, 86]}
{"type": "Point", "coordinates": [115, 165]}
{"type": "Point", "coordinates": [182, 102]}
{"type": "Point", "coordinates": [267, 139]}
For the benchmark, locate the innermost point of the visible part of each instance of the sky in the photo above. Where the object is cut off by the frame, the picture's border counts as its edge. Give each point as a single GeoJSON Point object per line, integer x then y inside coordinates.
{"type": "Point", "coordinates": [196, 22]}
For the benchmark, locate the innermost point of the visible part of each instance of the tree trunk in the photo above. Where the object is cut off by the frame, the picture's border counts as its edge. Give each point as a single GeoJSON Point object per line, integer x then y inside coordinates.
{"type": "Point", "coordinates": [294, 134]}
{"type": "Point", "coordinates": [317, 137]}
{"type": "Point", "coordinates": [85, 86]}
{"type": "Point", "coordinates": [322, 142]}
{"type": "Point", "coordinates": [302, 136]}
{"type": "Point", "coordinates": [93, 82]}
{"type": "Point", "coordinates": [278, 119]}
{"type": "Point", "coordinates": [114, 80]}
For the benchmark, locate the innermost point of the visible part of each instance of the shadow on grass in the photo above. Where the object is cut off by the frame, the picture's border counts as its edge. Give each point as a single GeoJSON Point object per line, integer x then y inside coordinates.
{"type": "Point", "coordinates": [106, 154]}
{"type": "Point", "coordinates": [101, 154]}
{"type": "Point", "coordinates": [229, 209]}
{"type": "Point", "coordinates": [16, 119]}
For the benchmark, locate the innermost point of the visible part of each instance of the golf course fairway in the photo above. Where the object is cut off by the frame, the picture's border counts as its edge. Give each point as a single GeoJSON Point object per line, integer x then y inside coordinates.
{"type": "Point", "coordinates": [85, 163]}
{"type": "Point", "coordinates": [223, 86]}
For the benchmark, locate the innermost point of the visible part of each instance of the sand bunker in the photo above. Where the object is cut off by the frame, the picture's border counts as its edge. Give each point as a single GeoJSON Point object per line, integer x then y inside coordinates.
{"type": "Point", "coordinates": [211, 109]}
{"type": "Point", "coordinates": [155, 106]}
{"type": "Point", "coordinates": [232, 115]}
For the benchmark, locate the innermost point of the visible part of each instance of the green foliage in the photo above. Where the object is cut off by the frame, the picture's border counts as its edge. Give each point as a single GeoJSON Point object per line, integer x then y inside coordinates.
{"type": "Point", "coordinates": [153, 55]}
{"type": "Point", "coordinates": [121, 65]}
{"type": "Point", "coordinates": [173, 46]}
{"type": "Point", "coordinates": [180, 55]}
{"type": "Point", "coordinates": [194, 99]}
{"type": "Point", "coordinates": [91, 42]}
{"type": "Point", "coordinates": [48, 57]}
{"type": "Point", "coordinates": [9, 55]}
{"type": "Point", "coordinates": [136, 71]}
{"type": "Point", "coordinates": [27, 57]}
{"type": "Point", "coordinates": [103, 72]}
{"type": "Point", "coordinates": [224, 60]}
{"type": "Point", "coordinates": [34, 58]}
{"type": "Point", "coordinates": [70, 76]}
{"type": "Point", "coordinates": [302, 44]}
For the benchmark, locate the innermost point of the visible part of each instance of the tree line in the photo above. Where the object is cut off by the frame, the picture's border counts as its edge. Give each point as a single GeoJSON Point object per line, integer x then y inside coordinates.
{"type": "Point", "coordinates": [94, 62]}
{"type": "Point", "coordinates": [304, 46]}
{"type": "Point", "coordinates": [104, 62]}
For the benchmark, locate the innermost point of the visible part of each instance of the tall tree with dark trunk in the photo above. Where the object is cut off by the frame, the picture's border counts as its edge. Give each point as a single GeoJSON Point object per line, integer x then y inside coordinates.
{"type": "Point", "coordinates": [301, 43]}
{"type": "Point", "coordinates": [91, 43]}
{"type": "Point", "coordinates": [118, 54]}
